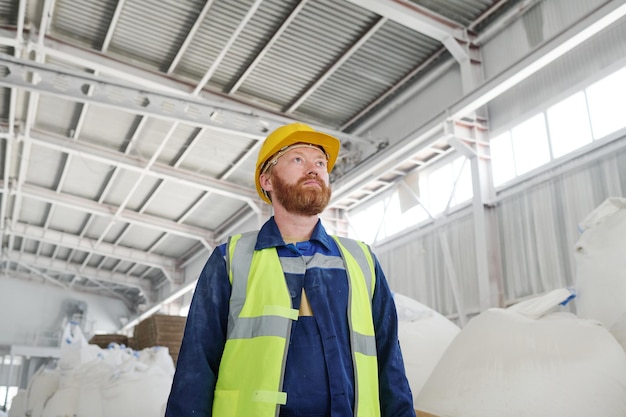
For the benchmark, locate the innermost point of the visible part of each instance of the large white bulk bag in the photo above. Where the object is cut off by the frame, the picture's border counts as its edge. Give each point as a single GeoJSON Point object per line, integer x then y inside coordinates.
{"type": "Point", "coordinates": [601, 267]}
{"type": "Point", "coordinates": [62, 403]}
{"type": "Point", "coordinates": [75, 401]}
{"type": "Point", "coordinates": [40, 388]}
{"type": "Point", "coordinates": [93, 382]}
{"type": "Point", "coordinates": [506, 363]}
{"type": "Point", "coordinates": [116, 381]}
{"type": "Point", "coordinates": [18, 404]}
{"type": "Point", "coordinates": [142, 392]}
{"type": "Point", "coordinates": [158, 357]}
{"type": "Point", "coordinates": [79, 390]}
{"type": "Point", "coordinates": [424, 335]}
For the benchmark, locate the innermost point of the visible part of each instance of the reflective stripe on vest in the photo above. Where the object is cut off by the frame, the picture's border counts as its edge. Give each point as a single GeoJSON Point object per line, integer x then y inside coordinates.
{"type": "Point", "coordinates": [362, 280]}
{"type": "Point", "coordinates": [259, 326]}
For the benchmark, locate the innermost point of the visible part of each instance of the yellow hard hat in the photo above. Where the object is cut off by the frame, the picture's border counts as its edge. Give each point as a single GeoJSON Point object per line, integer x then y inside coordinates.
{"type": "Point", "coordinates": [291, 134]}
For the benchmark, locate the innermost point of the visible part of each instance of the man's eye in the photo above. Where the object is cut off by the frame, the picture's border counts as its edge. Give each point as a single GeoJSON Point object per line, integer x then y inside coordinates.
{"type": "Point", "coordinates": [321, 164]}
{"type": "Point", "coordinates": [297, 159]}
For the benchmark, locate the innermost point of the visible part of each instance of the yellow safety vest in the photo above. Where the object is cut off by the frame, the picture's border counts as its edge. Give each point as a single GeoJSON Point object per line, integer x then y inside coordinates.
{"type": "Point", "coordinates": [250, 378]}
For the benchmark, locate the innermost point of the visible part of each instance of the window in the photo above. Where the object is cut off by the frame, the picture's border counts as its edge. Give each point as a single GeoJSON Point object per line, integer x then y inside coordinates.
{"type": "Point", "coordinates": [568, 122]}
{"type": "Point", "coordinates": [439, 183]}
{"type": "Point", "coordinates": [502, 161]}
{"type": "Point", "coordinates": [393, 217]}
{"type": "Point", "coordinates": [463, 190]}
{"type": "Point", "coordinates": [438, 187]}
{"type": "Point", "coordinates": [530, 144]}
{"type": "Point", "coordinates": [365, 224]}
{"type": "Point", "coordinates": [607, 103]}
{"type": "Point", "coordinates": [590, 114]}
{"type": "Point", "coordinates": [401, 209]}
{"type": "Point", "coordinates": [7, 360]}
{"type": "Point", "coordinates": [396, 220]}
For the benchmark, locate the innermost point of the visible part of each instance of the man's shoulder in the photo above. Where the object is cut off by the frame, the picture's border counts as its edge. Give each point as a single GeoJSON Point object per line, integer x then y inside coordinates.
{"type": "Point", "coordinates": [221, 247]}
{"type": "Point", "coordinates": [348, 239]}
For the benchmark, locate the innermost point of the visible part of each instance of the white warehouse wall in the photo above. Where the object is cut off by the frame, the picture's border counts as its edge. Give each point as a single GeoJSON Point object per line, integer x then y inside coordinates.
{"type": "Point", "coordinates": [537, 229]}
{"type": "Point", "coordinates": [34, 314]}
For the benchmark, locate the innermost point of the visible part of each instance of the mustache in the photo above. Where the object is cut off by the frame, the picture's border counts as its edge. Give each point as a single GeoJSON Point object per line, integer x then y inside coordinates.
{"type": "Point", "coordinates": [309, 178]}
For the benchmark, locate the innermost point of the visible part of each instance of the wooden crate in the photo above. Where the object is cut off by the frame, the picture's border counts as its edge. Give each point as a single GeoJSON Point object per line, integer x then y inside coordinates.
{"type": "Point", "coordinates": [103, 340]}
{"type": "Point", "coordinates": [160, 330]}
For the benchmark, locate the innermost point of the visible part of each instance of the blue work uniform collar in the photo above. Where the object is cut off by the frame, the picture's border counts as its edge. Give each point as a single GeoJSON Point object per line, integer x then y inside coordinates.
{"type": "Point", "coordinates": [269, 236]}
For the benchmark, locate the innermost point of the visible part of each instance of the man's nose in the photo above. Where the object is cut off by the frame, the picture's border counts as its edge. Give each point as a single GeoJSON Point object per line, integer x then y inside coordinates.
{"type": "Point", "coordinates": [313, 168]}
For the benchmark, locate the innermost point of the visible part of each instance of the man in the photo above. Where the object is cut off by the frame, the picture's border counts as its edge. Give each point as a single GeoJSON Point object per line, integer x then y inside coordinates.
{"type": "Point", "coordinates": [290, 321]}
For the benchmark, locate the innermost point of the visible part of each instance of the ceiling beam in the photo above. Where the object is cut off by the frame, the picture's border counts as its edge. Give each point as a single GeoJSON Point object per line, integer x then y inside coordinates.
{"type": "Point", "coordinates": [136, 164]}
{"type": "Point", "coordinates": [42, 275]}
{"type": "Point", "coordinates": [73, 85]}
{"type": "Point", "coordinates": [168, 94]}
{"type": "Point", "coordinates": [54, 237]}
{"type": "Point", "coordinates": [144, 220]}
{"type": "Point", "coordinates": [422, 21]}
{"type": "Point", "coordinates": [90, 273]}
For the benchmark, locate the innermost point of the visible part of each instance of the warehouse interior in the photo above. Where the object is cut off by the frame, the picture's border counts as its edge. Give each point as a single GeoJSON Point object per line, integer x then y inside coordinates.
{"type": "Point", "coordinates": [479, 139]}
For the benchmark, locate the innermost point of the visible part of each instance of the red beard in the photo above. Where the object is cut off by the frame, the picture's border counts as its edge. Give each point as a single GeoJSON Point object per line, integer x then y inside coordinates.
{"type": "Point", "coordinates": [298, 199]}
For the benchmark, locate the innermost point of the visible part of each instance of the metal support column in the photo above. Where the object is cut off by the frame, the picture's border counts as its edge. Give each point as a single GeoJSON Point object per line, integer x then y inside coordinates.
{"type": "Point", "coordinates": [467, 138]}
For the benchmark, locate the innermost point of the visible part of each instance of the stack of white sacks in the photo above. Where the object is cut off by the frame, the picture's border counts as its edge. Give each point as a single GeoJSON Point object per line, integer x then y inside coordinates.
{"type": "Point", "coordinates": [534, 359]}
{"type": "Point", "coordinates": [89, 381]}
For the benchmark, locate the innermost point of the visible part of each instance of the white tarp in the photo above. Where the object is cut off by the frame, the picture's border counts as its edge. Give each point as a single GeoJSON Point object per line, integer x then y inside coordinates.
{"type": "Point", "coordinates": [601, 267]}
{"type": "Point", "coordinates": [424, 335]}
{"type": "Point", "coordinates": [518, 362]}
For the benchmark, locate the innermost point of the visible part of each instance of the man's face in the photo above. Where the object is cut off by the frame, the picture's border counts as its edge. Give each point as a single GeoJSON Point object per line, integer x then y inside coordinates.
{"type": "Point", "coordinates": [299, 181]}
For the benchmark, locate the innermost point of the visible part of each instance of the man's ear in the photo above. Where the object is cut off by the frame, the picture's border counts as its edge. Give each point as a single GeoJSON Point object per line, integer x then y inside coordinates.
{"type": "Point", "coordinates": [266, 182]}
